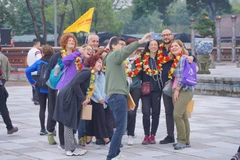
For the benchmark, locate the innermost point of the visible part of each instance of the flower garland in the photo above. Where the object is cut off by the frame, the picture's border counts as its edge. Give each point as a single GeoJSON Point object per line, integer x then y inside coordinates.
{"type": "Point", "coordinates": [91, 84]}
{"type": "Point", "coordinates": [174, 65]}
{"type": "Point", "coordinates": [78, 61]}
{"type": "Point", "coordinates": [138, 67]}
{"type": "Point", "coordinates": [161, 59]}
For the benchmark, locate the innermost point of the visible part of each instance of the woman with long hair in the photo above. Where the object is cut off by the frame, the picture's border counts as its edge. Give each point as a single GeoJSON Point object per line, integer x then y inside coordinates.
{"type": "Point", "coordinates": [70, 100]}
{"type": "Point", "coordinates": [151, 80]}
{"type": "Point", "coordinates": [182, 94]}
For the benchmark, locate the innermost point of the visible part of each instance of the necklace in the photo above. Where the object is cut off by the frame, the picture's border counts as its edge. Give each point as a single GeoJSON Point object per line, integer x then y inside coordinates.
{"type": "Point", "coordinates": [78, 60]}
{"type": "Point", "coordinates": [174, 65]}
{"type": "Point", "coordinates": [138, 67]}
{"type": "Point", "coordinates": [91, 87]}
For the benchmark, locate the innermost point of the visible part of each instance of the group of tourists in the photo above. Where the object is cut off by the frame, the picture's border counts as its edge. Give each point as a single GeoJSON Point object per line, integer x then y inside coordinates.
{"type": "Point", "coordinates": [104, 78]}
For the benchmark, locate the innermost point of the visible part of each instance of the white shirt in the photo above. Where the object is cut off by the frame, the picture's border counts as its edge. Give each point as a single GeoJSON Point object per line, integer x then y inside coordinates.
{"type": "Point", "coordinates": [34, 54]}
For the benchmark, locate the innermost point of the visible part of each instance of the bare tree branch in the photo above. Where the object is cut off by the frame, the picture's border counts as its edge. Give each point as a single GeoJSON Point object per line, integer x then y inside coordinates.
{"type": "Point", "coordinates": [44, 24]}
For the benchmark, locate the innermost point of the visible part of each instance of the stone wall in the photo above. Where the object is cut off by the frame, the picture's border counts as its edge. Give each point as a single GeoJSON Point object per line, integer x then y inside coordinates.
{"type": "Point", "coordinates": [218, 86]}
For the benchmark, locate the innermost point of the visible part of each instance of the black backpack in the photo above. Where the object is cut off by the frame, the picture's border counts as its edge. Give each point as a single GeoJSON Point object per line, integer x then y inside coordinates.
{"type": "Point", "coordinates": [42, 75]}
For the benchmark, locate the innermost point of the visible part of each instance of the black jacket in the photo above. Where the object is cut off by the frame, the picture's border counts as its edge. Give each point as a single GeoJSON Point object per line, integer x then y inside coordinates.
{"type": "Point", "coordinates": [70, 98]}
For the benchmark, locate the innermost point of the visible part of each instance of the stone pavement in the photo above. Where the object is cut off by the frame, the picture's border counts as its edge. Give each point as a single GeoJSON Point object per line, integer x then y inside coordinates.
{"type": "Point", "coordinates": [215, 133]}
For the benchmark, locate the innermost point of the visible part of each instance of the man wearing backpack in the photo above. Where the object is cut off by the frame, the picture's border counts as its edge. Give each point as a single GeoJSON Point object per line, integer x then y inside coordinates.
{"type": "Point", "coordinates": [41, 67]}
{"type": "Point", "coordinates": [34, 54]}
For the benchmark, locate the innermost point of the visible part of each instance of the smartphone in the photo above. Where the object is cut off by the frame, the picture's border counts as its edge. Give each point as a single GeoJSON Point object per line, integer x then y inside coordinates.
{"type": "Point", "coordinates": [155, 36]}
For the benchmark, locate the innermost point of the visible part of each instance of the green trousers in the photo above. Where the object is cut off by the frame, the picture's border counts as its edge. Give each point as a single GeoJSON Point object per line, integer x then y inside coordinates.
{"type": "Point", "coordinates": [180, 116]}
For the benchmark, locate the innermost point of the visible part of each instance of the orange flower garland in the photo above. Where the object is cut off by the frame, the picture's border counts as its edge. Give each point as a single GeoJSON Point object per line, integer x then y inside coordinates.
{"type": "Point", "coordinates": [174, 65]}
{"type": "Point", "coordinates": [138, 67]}
{"type": "Point", "coordinates": [78, 61]}
{"type": "Point", "coordinates": [161, 59]}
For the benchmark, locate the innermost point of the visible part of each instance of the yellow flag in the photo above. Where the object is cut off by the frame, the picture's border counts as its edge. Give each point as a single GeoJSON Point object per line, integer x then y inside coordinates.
{"type": "Point", "coordinates": [82, 24]}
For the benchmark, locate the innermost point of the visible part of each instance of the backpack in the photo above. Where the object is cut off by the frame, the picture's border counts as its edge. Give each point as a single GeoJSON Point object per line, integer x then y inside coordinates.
{"type": "Point", "coordinates": [189, 74]}
{"type": "Point", "coordinates": [42, 75]}
{"type": "Point", "coordinates": [56, 74]}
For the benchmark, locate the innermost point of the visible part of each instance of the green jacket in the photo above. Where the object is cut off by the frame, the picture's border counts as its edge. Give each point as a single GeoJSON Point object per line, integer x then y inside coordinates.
{"type": "Point", "coordinates": [6, 67]}
{"type": "Point", "coordinates": [116, 80]}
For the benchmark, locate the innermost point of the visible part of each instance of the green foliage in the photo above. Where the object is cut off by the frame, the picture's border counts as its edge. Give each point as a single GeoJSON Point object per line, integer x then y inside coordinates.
{"type": "Point", "coordinates": [235, 6]}
{"type": "Point", "coordinates": [205, 25]}
{"type": "Point", "coordinates": [213, 7]}
{"type": "Point", "coordinates": [147, 7]}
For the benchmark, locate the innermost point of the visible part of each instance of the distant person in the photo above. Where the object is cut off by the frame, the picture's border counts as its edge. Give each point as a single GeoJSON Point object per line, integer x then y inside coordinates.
{"type": "Point", "coordinates": [6, 67]}
{"type": "Point", "coordinates": [43, 91]}
{"type": "Point", "coordinates": [93, 41]}
{"type": "Point", "coordinates": [34, 54]}
{"type": "Point", "coordinates": [4, 109]}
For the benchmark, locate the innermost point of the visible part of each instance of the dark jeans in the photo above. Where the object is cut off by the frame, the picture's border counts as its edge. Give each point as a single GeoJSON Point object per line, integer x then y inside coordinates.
{"type": "Point", "coordinates": [118, 105]}
{"type": "Point", "coordinates": [43, 105]}
{"type": "Point", "coordinates": [3, 107]}
{"type": "Point", "coordinates": [168, 104]}
{"type": "Point", "coordinates": [151, 105]}
{"type": "Point", "coordinates": [51, 123]}
{"type": "Point", "coordinates": [136, 95]}
{"type": "Point", "coordinates": [35, 89]}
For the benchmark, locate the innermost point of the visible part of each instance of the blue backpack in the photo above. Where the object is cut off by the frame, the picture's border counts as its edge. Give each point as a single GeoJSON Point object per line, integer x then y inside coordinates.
{"type": "Point", "coordinates": [189, 74]}
{"type": "Point", "coordinates": [56, 74]}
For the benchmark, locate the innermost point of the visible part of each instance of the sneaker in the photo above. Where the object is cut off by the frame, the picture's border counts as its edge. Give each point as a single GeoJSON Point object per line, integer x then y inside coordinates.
{"type": "Point", "coordinates": [179, 146]}
{"type": "Point", "coordinates": [152, 139]}
{"type": "Point", "coordinates": [36, 102]}
{"type": "Point", "coordinates": [61, 147]}
{"type": "Point", "coordinates": [11, 131]}
{"type": "Point", "coordinates": [121, 145]}
{"type": "Point", "coordinates": [187, 145]}
{"type": "Point", "coordinates": [167, 140]}
{"type": "Point", "coordinates": [145, 140]}
{"type": "Point", "coordinates": [51, 139]}
{"type": "Point", "coordinates": [43, 132]}
{"type": "Point", "coordinates": [120, 157]}
{"type": "Point", "coordinates": [82, 141]}
{"type": "Point", "coordinates": [76, 152]}
{"type": "Point", "coordinates": [91, 145]}
{"type": "Point", "coordinates": [236, 156]}
{"type": "Point", "coordinates": [130, 140]}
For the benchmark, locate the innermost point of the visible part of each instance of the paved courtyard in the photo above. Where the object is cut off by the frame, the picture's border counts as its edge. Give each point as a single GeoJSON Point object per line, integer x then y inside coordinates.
{"type": "Point", "coordinates": [215, 133]}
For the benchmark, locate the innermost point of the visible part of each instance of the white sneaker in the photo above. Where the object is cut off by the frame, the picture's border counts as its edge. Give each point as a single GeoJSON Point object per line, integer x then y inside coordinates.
{"type": "Point", "coordinates": [120, 157]}
{"type": "Point", "coordinates": [130, 140]}
{"type": "Point", "coordinates": [76, 152]}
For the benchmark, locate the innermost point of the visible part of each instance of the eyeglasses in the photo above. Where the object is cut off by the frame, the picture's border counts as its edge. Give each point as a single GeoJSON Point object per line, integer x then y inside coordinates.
{"type": "Point", "coordinates": [166, 35]}
{"type": "Point", "coordinates": [122, 44]}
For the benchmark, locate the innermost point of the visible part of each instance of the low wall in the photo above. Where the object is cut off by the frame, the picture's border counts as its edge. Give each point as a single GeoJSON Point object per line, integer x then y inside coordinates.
{"type": "Point", "coordinates": [218, 86]}
{"type": "Point", "coordinates": [18, 55]}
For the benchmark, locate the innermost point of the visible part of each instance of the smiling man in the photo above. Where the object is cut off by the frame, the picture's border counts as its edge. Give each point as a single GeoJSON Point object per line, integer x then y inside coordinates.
{"type": "Point", "coordinates": [117, 89]}
{"type": "Point", "coordinates": [93, 41]}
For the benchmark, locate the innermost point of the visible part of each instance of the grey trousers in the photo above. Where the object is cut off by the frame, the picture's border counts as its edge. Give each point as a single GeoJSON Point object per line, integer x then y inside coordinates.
{"type": "Point", "coordinates": [69, 139]}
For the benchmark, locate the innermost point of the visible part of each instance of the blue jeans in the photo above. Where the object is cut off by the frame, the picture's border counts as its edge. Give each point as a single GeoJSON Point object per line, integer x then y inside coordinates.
{"type": "Point", "coordinates": [118, 105]}
{"type": "Point", "coordinates": [3, 81]}
{"type": "Point", "coordinates": [82, 128]}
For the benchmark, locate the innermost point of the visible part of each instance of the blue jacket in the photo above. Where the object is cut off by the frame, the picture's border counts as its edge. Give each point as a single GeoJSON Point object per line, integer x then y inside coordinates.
{"type": "Point", "coordinates": [99, 93]}
{"type": "Point", "coordinates": [35, 67]}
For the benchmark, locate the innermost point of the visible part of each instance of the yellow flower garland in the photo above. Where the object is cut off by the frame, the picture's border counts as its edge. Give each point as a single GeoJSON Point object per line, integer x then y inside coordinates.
{"type": "Point", "coordinates": [78, 61]}
{"type": "Point", "coordinates": [91, 87]}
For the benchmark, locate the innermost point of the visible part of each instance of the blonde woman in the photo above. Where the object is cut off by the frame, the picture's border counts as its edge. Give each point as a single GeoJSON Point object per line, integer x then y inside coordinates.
{"type": "Point", "coordinates": [182, 94]}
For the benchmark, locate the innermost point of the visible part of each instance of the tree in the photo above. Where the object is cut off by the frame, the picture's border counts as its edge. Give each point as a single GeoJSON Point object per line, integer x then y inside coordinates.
{"type": "Point", "coordinates": [6, 17]}
{"type": "Point", "coordinates": [214, 7]}
{"type": "Point", "coordinates": [205, 25]}
{"type": "Point", "coordinates": [147, 7]}
{"type": "Point", "coordinates": [43, 39]}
